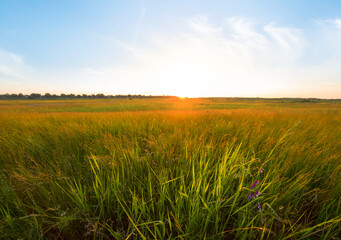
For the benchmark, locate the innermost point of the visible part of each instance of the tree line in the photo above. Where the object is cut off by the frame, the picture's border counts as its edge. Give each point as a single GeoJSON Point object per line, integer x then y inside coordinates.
{"type": "Point", "coordinates": [70, 96]}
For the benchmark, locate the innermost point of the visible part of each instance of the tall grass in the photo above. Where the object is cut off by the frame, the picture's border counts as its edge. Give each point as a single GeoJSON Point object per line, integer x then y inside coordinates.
{"type": "Point", "coordinates": [171, 174]}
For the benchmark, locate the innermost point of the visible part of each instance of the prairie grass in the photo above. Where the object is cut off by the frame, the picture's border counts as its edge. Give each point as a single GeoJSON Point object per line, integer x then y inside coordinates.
{"type": "Point", "coordinates": [173, 169]}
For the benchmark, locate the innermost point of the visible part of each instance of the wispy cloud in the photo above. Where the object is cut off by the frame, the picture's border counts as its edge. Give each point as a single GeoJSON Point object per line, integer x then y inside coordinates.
{"type": "Point", "coordinates": [143, 12]}
{"type": "Point", "coordinates": [201, 25]}
{"type": "Point", "coordinates": [235, 58]}
{"type": "Point", "coordinates": [15, 74]}
{"type": "Point", "coordinates": [287, 37]}
{"type": "Point", "coordinates": [334, 22]}
{"type": "Point", "coordinates": [12, 65]}
{"type": "Point", "coordinates": [124, 45]}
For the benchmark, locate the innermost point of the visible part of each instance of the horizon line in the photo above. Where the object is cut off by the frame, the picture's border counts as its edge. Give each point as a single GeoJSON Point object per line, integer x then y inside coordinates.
{"type": "Point", "coordinates": [36, 95]}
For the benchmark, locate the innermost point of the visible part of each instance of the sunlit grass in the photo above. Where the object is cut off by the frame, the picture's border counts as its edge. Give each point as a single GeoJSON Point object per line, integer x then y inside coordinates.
{"type": "Point", "coordinates": [177, 172]}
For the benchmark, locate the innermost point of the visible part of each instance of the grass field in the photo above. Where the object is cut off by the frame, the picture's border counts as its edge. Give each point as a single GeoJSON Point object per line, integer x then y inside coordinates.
{"type": "Point", "coordinates": [170, 168]}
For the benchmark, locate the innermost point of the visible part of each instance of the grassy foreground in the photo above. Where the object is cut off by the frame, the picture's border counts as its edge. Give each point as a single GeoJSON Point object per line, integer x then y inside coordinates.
{"type": "Point", "coordinates": [188, 169]}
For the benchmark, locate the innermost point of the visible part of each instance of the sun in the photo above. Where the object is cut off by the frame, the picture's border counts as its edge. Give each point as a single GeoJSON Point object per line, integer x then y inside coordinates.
{"type": "Point", "coordinates": [185, 80]}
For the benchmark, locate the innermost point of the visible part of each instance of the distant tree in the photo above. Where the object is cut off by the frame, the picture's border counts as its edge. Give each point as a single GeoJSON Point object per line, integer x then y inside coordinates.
{"type": "Point", "coordinates": [35, 96]}
{"type": "Point", "coordinates": [47, 95]}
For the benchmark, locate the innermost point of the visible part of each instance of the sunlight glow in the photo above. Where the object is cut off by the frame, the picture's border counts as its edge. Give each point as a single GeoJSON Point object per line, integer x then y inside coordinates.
{"type": "Point", "coordinates": [235, 57]}
{"type": "Point", "coordinates": [185, 79]}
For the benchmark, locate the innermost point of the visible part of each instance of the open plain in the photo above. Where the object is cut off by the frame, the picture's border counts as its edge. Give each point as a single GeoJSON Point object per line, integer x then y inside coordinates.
{"type": "Point", "coordinates": [170, 168]}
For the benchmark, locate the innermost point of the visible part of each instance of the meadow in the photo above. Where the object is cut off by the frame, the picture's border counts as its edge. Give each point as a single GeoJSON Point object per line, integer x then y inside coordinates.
{"type": "Point", "coordinates": [170, 168]}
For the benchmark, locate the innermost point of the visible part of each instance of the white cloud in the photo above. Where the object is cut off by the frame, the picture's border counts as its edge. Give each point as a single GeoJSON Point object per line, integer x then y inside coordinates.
{"type": "Point", "coordinates": [201, 25]}
{"type": "Point", "coordinates": [12, 65]}
{"type": "Point", "coordinates": [243, 32]}
{"type": "Point", "coordinates": [17, 76]}
{"type": "Point", "coordinates": [124, 45]}
{"type": "Point", "coordinates": [334, 22]}
{"type": "Point", "coordinates": [235, 58]}
{"type": "Point", "coordinates": [205, 60]}
{"type": "Point", "coordinates": [287, 37]}
{"type": "Point", "coordinates": [337, 23]}
{"type": "Point", "coordinates": [14, 73]}
{"type": "Point", "coordinates": [143, 12]}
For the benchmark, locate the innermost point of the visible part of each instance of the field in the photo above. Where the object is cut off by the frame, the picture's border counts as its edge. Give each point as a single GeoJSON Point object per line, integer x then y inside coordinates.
{"type": "Point", "coordinates": [170, 168]}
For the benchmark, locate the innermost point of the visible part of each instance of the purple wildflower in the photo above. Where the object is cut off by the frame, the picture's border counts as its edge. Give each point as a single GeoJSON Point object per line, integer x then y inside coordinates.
{"type": "Point", "coordinates": [250, 196]}
{"type": "Point", "coordinates": [259, 207]}
{"type": "Point", "coordinates": [261, 170]}
{"type": "Point", "coordinates": [256, 194]}
{"type": "Point", "coordinates": [254, 184]}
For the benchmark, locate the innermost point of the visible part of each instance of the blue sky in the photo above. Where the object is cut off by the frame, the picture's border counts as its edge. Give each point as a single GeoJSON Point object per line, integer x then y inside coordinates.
{"type": "Point", "coordinates": [187, 48]}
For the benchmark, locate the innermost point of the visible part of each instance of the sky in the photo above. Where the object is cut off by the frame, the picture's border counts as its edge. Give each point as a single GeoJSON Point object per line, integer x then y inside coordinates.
{"type": "Point", "coordinates": [187, 48]}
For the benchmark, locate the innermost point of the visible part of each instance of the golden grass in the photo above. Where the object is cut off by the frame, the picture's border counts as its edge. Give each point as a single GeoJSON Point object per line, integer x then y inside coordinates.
{"type": "Point", "coordinates": [169, 168]}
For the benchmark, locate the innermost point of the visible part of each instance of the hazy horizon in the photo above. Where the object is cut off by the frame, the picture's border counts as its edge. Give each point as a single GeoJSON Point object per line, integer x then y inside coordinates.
{"type": "Point", "coordinates": [187, 49]}
{"type": "Point", "coordinates": [93, 95]}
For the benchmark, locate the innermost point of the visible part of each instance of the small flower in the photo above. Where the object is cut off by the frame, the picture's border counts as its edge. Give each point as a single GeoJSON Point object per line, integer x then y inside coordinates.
{"type": "Point", "coordinates": [259, 207]}
{"type": "Point", "coordinates": [254, 184]}
{"type": "Point", "coordinates": [256, 194]}
{"type": "Point", "coordinates": [250, 196]}
{"type": "Point", "coordinates": [261, 170]}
